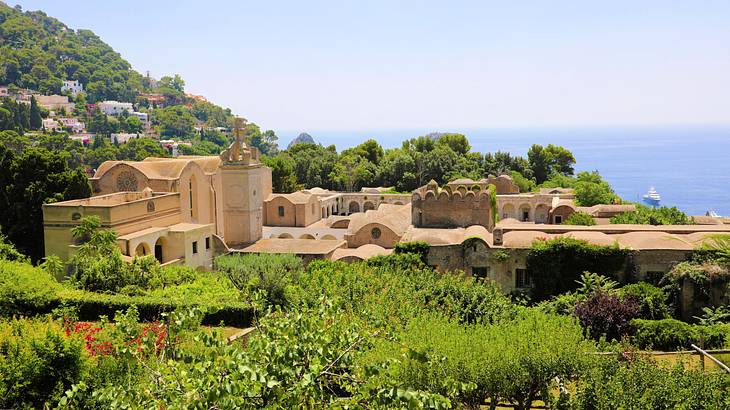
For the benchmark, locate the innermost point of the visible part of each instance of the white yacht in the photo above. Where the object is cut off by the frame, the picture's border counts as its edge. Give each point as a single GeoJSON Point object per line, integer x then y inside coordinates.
{"type": "Point", "coordinates": [652, 197]}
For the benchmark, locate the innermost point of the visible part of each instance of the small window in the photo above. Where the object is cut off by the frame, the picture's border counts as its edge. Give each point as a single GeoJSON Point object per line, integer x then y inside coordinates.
{"type": "Point", "coordinates": [195, 247]}
{"type": "Point", "coordinates": [480, 272]}
{"type": "Point", "coordinates": [375, 233]}
{"type": "Point", "coordinates": [558, 219]}
{"type": "Point", "coordinates": [654, 276]}
{"type": "Point", "coordinates": [522, 279]}
{"type": "Point", "coordinates": [207, 243]}
{"type": "Point", "coordinates": [281, 211]}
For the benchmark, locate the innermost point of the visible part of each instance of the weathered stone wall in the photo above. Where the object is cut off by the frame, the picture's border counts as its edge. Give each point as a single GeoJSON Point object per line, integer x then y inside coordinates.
{"type": "Point", "coordinates": [449, 210]}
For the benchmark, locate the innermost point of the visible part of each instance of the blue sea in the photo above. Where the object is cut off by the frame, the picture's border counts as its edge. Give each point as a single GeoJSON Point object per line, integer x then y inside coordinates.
{"type": "Point", "coordinates": [688, 165]}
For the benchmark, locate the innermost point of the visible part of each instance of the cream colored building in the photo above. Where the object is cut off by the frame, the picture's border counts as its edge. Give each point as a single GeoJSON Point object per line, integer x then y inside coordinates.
{"type": "Point", "coordinates": [181, 209]}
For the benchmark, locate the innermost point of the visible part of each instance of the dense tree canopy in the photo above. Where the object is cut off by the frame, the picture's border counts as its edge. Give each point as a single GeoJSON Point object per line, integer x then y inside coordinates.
{"type": "Point", "coordinates": [27, 181]}
{"type": "Point", "coordinates": [39, 52]}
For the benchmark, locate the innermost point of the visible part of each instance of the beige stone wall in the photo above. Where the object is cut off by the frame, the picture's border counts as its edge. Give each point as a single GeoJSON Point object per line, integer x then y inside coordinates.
{"type": "Point", "coordinates": [562, 211]}
{"type": "Point", "coordinates": [504, 185]}
{"type": "Point", "coordinates": [242, 203]}
{"type": "Point", "coordinates": [124, 218]}
{"type": "Point", "coordinates": [447, 210]}
{"type": "Point", "coordinates": [472, 254]}
{"type": "Point", "coordinates": [387, 238]}
{"type": "Point", "coordinates": [475, 254]}
{"type": "Point", "coordinates": [182, 244]}
{"type": "Point", "coordinates": [535, 207]}
{"type": "Point", "coordinates": [299, 215]}
{"type": "Point", "coordinates": [649, 263]}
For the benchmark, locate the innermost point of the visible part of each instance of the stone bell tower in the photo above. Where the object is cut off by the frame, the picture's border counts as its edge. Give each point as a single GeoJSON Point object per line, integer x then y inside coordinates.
{"type": "Point", "coordinates": [245, 183]}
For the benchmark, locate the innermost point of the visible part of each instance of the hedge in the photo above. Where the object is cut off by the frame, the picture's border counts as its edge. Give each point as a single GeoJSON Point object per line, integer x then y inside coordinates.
{"type": "Point", "coordinates": [672, 334]}
{"type": "Point", "coordinates": [91, 306]}
{"type": "Point", "coordinates": [27, 291]}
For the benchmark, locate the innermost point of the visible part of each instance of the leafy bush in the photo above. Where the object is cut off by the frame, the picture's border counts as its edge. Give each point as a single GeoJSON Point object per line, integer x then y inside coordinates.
{"type": "Point", "coordinates": [9, 252]}
{"type": "Point", "coordinates": [672, 334]}
{"type": "Point", "coordinates": [25, 290]}
{"type": "Point", "coordinates": [91, 306]}
{"type": "Point", "coordinates": [397, 287]}
{"type": "Point", "coordinates": [272, 274]}
{"type": "Point", "coordinates": [420, 248]}
{"type": "Point", "coordinates": [298, 359]}
{"type": "Point", "coordinates": [37, 363]}
{"type": "Point", "coordinates": [710, 280]}
{"type": "Point", "coordinates": [645, 215]}
{"type": "Point", "coordinates": [579, 218]}
{"type": "Point", "coordinates": [98, 264]}
{"type": "Point", "coordinates": [605, 315]}
{"type": "Point", "coordinates": [651, 299]}
{"type": "Point", "coordinates": [642, 384]}
{"type": "Point", "coordinates": [556, 265]}
{"type": "Point", "coordinates": [514, 361]}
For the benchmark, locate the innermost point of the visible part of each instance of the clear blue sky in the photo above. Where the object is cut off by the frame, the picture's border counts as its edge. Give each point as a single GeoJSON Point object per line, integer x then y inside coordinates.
{"type": "Point", "coordinates": [313, 65]}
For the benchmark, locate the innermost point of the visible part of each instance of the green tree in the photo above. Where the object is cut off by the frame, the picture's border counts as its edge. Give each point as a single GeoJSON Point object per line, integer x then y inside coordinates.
{"type": "Point", "coordinates": [174, 121]}
{"type": "Point", "coordinates": [32, 178]}
{"type": "Point", "coordinates": [545, 161]}
{"type": "Point", "coordinates": [283, 178]}
{"type": "Point", "coordinates": [36, 122]}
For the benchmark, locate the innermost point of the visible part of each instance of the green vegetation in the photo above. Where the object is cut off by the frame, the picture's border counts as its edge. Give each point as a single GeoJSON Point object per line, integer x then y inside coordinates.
{"type": "Point", "coordinates": [39, 52]}
{"type": "Point", "coordinates": [27, 181]}
{"type": "Point", "coordinates": [389, 332]}
{"type": "Point", "coordinates": [653, 216]}
{"type": "Point", "coordinates": [556, 265]}
{"type": "Point", "coordinates": [579, 218]}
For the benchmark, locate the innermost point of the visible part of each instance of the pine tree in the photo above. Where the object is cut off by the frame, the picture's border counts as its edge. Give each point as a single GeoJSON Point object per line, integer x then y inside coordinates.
{"type": "Point", "coordinates": [36, 121]}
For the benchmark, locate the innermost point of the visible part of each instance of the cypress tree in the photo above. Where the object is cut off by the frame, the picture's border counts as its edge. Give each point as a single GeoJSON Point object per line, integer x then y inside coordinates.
{"type": "Point", "coordinates": [35, 114]}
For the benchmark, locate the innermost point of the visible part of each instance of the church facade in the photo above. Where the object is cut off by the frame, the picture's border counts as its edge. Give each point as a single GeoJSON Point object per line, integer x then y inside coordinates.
{"type": "Point", "coordinates": [181, 210]}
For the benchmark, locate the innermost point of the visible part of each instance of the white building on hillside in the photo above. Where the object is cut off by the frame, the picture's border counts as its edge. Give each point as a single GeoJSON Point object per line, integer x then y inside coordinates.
{"type": "Point", "coordinates": [115, 107]}
{"type": "Point", "coordinates": [72, 86]}
{"type": "Point", "coordinates": [74, 124]}
{"type": "Point", "coordinates": [50, 125]}
{"type": "Point", "coordinates": [122, 138]}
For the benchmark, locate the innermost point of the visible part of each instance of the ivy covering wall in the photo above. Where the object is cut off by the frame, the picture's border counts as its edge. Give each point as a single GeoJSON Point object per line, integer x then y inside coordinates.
{"type": "Point", "coordinates": [555, 265]}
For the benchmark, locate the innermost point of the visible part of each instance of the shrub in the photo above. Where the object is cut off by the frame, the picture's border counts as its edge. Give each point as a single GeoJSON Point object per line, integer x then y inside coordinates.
{"type": "Point", "coordinates": [651, 299]}
{"type": "Point", "coordinates": [672, 334]}
{"type": "Point", "coordinates": [262, 272]}
{"type": "Point", "coordinates": [645, 215]}
{"type": "Point", "coordinates": [91, 306]}
{"type": "Point", "coordinates": [395, 288]}
{"type": "Point", "coordinates": [605, 315]}
{"type": "Point", "coordinates": [25, 290]}
{"type": "Point", "coordinates": [416, 247]}
{"type": "Point", "coordinates": [9, 252]}
{"type": "Point", "coordinates": [642, 384]}
{"type": "Point", "coordinates": [514, 361]}
{"type": "Point", "coordinates": [579, 218]}
{"type": "Point", "coordinates": [37, 363]}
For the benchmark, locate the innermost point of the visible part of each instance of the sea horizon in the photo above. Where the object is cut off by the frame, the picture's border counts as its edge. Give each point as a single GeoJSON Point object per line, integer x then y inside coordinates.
{"type": "Point", "coordinates": [685, 163]}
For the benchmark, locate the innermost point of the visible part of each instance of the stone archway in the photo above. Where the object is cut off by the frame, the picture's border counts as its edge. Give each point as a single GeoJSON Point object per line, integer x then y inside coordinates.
{"type": "Point", "coordinates": [307, 236]}
{"type": "Point", "coordinates": [161, 249]}
{"type": "Point", "coordinates": [142, 249]}
{"type": "Point", "coordinates": [368, 206]}
{"type": "Point", "coordinates": [285, 236]}
{"type": "Point", "coordinates": [354, 207]}
{"type": "Point", "coordinates": [508, 211]}
{"type": "Point", "coordinates": [525, 213]}
{"type": "Point", "coordinates": [542, 214]}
